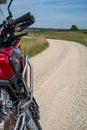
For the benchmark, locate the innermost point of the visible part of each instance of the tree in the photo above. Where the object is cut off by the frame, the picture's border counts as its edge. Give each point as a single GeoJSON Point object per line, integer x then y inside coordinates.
{"type": "Point", "coordinates": [74, 28]}
{"type": "Point", "coordinates": [3, 1]}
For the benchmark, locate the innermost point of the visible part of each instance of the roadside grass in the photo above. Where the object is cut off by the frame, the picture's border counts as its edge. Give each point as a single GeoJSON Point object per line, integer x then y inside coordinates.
{"type": "Point", "coordinates": [38, 43]}
{"type": "Point", "coordinates": [77, 36]}
{"type": "Point", "coordinates": [33, 46]}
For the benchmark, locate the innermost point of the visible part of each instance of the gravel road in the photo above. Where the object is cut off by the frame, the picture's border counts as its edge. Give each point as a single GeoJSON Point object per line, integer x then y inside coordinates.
{"type": "Point", "coordinates": [60, 85]}
{"type": "Point", "coordinates": [60, 80]}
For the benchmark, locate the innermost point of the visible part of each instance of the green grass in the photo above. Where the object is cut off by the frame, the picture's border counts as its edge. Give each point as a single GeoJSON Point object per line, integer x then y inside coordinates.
{"type": "Point", "coordinates": [33, 46]}
{"type": "Point", "coordinates": [78, 36]}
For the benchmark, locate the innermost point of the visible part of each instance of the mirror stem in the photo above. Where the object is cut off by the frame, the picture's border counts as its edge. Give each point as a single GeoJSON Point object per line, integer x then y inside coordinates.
{"type": "Point", "coordinates": [10, 14]}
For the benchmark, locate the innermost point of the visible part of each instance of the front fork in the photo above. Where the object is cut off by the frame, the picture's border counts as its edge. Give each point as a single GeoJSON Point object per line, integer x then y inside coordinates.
{"type": "Point", "coordinates": [27, 116]}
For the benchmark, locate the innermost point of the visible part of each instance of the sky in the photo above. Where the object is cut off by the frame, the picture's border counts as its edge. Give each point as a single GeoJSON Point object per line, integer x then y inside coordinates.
{"type": "Point", "coordinates": [53, 13]}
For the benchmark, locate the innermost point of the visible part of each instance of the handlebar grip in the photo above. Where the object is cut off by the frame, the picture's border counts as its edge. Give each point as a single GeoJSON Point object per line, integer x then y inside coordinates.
{"type": "Point", "coordinates": [24, 21]}
{"type": "Point", "coordinates": [23, 18]}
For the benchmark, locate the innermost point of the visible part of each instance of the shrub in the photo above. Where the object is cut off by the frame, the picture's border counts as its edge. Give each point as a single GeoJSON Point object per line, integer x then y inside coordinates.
{"type": "Point", "coordinates": [74, 28]}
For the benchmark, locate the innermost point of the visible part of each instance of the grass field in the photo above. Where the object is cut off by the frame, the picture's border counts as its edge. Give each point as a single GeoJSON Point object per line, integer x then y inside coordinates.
{"type": "Point", "coordinates": [78, 36]}
{"type": "Point", "coordinates": [33, 46]}
{"type": "Point", "coordinates": [38, 43]}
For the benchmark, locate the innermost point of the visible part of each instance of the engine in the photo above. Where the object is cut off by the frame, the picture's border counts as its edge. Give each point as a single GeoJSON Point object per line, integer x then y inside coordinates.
{"type": "Point", "coordinates": [5, 103]}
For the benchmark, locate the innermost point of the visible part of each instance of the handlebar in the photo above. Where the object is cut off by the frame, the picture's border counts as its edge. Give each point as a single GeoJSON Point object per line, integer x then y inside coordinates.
{"type": "Point", "coordinates": [22, 18]}
{"type": "Point", "coordinates": [18, 24]}
{"type": "Point", "coordinates": [10, 26]}
{"type": "Point", "coordinates": [24, 21]}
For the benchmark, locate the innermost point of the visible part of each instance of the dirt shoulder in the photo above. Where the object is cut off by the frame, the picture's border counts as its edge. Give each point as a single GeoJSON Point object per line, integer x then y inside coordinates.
{"type": "Point", "coordinates": [60, 85]}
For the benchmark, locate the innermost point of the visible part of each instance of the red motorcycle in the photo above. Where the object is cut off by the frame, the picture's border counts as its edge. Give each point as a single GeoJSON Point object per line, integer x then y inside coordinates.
{"type": "Point", "coordinates": [18, 107]}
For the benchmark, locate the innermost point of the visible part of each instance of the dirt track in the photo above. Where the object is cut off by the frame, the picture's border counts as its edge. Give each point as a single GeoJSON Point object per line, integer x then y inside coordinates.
{"type": "Point", "coordinates": [60, 85]}
{"type": "Point", "coordinates": [60, 80]}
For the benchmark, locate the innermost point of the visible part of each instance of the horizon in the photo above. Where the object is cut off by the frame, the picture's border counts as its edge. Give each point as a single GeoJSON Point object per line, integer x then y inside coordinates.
{"type": "Point", "coordinates": [31, 27]}
{"type": "Point", "coordinates": [53, 13]}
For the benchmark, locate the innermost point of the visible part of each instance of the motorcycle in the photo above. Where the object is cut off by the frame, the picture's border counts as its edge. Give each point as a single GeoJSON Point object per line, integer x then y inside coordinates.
{"type": "Point", "coordinates": [18, 107]}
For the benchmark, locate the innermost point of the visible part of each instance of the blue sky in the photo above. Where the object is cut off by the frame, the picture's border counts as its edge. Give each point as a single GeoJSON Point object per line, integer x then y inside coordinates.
{"type": "Point", "coordinates": [53, 13]}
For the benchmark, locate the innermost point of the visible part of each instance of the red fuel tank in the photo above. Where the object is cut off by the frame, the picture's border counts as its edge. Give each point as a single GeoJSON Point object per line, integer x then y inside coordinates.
{"type": "Point", "coordinates": [6, 71]}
